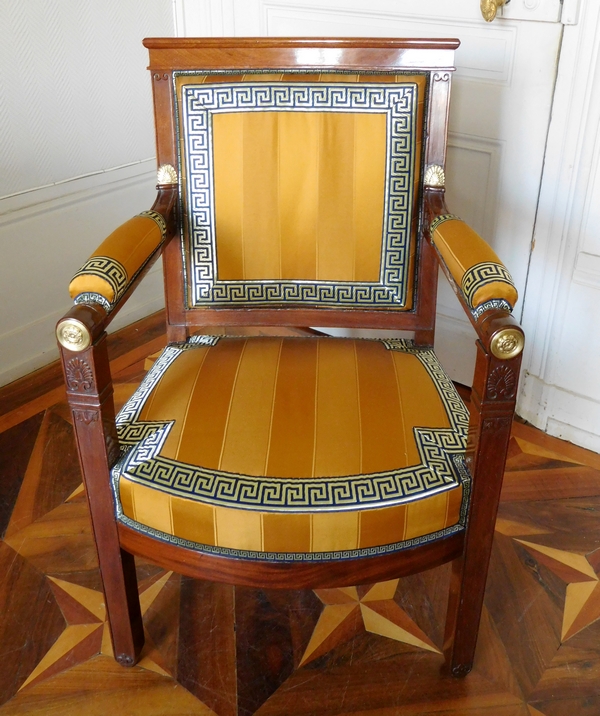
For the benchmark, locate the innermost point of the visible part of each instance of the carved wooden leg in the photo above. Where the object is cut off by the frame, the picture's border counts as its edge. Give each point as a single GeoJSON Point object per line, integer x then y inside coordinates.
{"type": "Point", "coordinates": [492, 410]}
{"type": "Point", "coordinates": [89, 391]}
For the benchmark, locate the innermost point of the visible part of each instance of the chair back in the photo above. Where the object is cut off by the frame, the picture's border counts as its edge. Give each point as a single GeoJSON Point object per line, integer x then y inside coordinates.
{"type": "Point", "coordinates": [300, 165]}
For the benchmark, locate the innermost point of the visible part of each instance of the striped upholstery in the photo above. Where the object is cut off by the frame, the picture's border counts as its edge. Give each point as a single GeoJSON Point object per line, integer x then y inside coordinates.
{"type": "Point", "coordinates": [472, 262]}
{"type": "Point", "coordinates": [289, 197]}
{"type": "Point", "coordinates": [301, 446]}
{"type": "Point", "coordinates": [306, 201]}
{"type": "Point", "coordinates": [119, 258]}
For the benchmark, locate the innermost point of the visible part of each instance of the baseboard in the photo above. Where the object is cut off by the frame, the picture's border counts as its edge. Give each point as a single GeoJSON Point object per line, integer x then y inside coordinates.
{"type": "Point", "coordinates": [560, 413]}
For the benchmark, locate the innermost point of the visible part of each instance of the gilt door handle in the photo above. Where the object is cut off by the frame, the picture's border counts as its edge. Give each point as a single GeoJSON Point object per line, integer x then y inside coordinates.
{"type": "Point", "coordinates": [489, 8]}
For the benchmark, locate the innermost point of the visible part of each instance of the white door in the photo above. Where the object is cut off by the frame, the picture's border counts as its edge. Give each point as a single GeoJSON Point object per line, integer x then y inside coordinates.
{"type": "Point", "coordinates": [501, 101]}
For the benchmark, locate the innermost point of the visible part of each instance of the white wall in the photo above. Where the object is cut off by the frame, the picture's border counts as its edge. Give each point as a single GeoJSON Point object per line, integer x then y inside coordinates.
{"type": "Point", "coordinates": [77, 148]}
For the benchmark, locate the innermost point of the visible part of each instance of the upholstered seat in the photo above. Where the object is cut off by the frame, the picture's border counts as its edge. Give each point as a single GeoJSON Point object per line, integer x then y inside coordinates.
{"type": "Point", "coordinates": [312, 447]}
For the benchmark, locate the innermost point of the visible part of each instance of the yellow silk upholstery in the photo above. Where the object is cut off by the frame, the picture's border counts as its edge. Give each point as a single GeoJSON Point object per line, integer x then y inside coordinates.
{"type": "Point", "coordinates": [119, 257]}
{"type": "Point", "coordinates": [297, 195]}
{"type": "Point", "coordinates": [290, 410]}
{"type": "Point", "coordinates": [472, 262]}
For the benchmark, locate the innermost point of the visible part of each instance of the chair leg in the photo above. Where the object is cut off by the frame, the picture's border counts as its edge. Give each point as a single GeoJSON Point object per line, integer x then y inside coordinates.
{"type": "Point", "coordinates": [119, 580]}
{"type": "Point", "coordinates": [492, 412]}
{"type": "Point", "coordinates": [469, 572]}
{"type": "Point", "coordinates": [123, 606]}
{"type": "Point", "coordinates": [89, 390]}
{"type": "Point", "coordinates": [467, 589]}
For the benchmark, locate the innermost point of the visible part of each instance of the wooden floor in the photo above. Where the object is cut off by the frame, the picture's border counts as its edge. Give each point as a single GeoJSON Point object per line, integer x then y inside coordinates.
{"type": "Point", "coordinates": [215, 649]}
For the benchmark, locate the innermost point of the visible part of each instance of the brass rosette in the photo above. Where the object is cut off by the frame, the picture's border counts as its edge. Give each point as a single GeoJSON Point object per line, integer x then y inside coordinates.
{"type": "Point", "coordinates": [507, 343]}
{"type": "Point", "coordinates": [73, 335]}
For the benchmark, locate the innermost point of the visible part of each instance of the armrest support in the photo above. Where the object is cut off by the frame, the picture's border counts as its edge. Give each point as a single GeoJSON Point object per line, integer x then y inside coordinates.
{"type": "Point", "coordinates": [109, 274]}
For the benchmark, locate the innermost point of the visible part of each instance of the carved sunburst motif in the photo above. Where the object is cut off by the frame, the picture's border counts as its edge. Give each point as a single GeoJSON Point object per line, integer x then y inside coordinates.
{"type": "Point", "coordinates": [166, 174]}
{"type": "Point", "coordinates": [79, 375]}
{"type": "Point", "coordinates": [502, 383]}
{"type": "Point", "coordinates": [435, 176]}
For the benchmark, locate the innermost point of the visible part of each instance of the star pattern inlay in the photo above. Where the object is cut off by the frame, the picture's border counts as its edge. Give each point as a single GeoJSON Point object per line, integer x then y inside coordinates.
{"type": "Point", "coordinates": [348, 611]}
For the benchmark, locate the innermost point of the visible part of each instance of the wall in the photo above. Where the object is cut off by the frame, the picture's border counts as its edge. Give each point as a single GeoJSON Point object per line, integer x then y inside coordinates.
{"type": "Point", "coordinates": [77, 148]}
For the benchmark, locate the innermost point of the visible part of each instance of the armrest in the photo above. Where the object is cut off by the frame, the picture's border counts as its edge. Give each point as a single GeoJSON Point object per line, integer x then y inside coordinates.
{"type": "Point", "coordinates": [125, 255]}
{"type": "Point", "coordinates": [474, 266]}
{"type": "Point", "coordinates": [482, 284]}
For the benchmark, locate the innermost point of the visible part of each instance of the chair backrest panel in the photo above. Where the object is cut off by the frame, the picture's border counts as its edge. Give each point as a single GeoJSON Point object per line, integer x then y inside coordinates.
{"type": "Point", "coordinates": [301, 192]}
{"type": "Point", "coordinates": [301, 185]}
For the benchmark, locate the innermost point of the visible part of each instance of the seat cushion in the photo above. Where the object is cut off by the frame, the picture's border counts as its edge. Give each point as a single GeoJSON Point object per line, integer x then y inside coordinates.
{"type": "Point", "coordinates": [294, 448]}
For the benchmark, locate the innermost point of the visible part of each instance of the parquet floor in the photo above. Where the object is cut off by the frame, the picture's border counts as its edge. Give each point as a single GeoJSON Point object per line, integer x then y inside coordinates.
{"type": "Point", "coordinates": [214, 649]}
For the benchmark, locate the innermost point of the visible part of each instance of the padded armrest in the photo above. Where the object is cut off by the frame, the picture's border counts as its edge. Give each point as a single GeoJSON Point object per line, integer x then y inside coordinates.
{"type": "Point", "coordinates": [472, 263]}
{"type": "Point", "coordinates": [109, 271]}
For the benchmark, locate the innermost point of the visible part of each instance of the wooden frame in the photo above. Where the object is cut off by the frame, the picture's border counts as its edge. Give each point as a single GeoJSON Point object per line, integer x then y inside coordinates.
{"type": "Point", "coordinates": [89, 384]}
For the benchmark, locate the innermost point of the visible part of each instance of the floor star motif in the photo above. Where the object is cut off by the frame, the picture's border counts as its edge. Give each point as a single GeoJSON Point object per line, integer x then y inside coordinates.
{"type": "Point", "coordinates": [348, 610]}
{"type": "Point", "coordinates": [87, 633]}
{"type": "Point", "coordinates": [582, 603]}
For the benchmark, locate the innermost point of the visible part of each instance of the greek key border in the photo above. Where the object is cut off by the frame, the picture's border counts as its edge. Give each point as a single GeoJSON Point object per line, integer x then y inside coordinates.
{"type": "Point", "coordinates": [316, 557]}
{"type": "Point", "coordinates": [109, 269]}
{"type": "Point", "coordinates": [482, 274]}
{"type": "Point", "coordinates": [437, 472]}
{"type": "Point", "coordinates": [494, 303]}
{"type": "Point", "coordinates": [198, 102]}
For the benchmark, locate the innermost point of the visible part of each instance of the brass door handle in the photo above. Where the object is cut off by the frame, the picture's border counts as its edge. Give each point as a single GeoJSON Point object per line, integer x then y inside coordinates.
{"type": "Point", "coordinates": [489, 8]}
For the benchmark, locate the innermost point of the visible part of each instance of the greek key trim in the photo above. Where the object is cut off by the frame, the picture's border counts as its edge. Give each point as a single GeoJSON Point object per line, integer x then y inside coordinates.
{"type": "Point", "coordinates": [437, 472]}
{"type": "Point", "coordinates": [494, 303]}
{"type": "Point", "coordinates": [482, 274]}
{"type": "Point", "coordinates": [109, 269]}
{"type": "Point", "coordinates": [89, 297]}
{"type": "Point", "coordinates": [197, 104]}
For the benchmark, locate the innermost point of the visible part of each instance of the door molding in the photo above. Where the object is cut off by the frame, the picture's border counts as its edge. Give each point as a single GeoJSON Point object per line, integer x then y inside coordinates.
{"type": "Point", "coordinates": [573, 152]}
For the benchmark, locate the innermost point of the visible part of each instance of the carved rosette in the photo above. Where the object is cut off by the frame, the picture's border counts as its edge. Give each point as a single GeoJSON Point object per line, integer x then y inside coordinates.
{"type": "Point", "coordinates": [80, 378]}
{"type": "Point", "coordinates": [507, 343]}
{"type": "Point", "coordinates": [502, 383]}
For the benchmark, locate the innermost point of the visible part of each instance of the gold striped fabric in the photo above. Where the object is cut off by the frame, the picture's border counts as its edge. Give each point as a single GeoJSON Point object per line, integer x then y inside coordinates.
{"type": "Point", "coordinates": [256, 531]}
{"type": "Point", "coordinates": [119, 257]}
{"type": "Point", "coordinates": [300, 195]}
{"type": "Point", "coordinates": [466, 254]}
{"type": "Point", "coordinates": [293, 408]}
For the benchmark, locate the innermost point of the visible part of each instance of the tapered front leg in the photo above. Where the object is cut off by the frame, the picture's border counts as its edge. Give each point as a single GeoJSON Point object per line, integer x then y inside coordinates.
{"type": "Point", "coordinates": [89, 391]}
{"type": "Point", "coordinates": [492, 409]}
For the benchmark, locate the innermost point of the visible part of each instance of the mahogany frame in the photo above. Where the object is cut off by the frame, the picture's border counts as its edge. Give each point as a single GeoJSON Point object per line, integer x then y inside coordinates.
{"type": "Point", "coordinates": [89, 384]}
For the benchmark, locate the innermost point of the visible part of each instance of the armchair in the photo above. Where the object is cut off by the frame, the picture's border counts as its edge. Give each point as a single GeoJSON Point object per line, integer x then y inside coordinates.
{"type": "Point", "coordinates": [300, 183]}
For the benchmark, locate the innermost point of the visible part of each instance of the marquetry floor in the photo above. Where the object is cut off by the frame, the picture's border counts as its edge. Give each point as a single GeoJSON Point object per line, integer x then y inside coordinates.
{"type": "Point", "coordinates": [214, 649]}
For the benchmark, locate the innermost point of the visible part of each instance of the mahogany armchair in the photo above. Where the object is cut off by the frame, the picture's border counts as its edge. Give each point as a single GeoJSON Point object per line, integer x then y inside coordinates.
{"type": "Point", "coordinates": [300, 183]}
